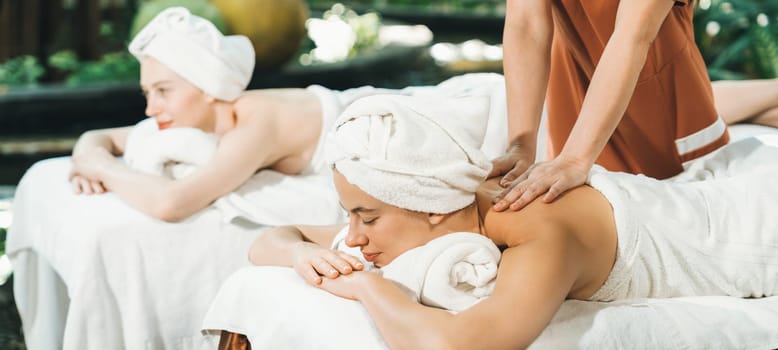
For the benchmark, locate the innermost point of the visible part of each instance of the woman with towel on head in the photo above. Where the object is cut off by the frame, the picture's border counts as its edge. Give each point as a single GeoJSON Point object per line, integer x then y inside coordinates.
{"type": "Point", "coordinates": [408, 170]}
{"type": "Point", "coordinates": [193, 76]}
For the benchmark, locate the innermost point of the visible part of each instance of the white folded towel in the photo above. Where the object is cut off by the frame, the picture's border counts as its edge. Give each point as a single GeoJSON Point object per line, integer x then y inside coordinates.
{"type": "Point", "coordinates": [174, 153]}
{"type": "Point", "coordinates": [452, 272]}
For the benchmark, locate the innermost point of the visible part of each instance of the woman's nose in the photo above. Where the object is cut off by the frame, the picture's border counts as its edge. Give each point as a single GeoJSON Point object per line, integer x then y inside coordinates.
{"type": "Point", "coordinates": [152, 109]}
{"type": "Point", "coordinates": [355, 238]}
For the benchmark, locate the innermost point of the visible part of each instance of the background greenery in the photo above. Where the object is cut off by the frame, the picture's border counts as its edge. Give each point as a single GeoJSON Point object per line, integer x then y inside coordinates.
{"type": "Point", "coordinates": [738, 40]}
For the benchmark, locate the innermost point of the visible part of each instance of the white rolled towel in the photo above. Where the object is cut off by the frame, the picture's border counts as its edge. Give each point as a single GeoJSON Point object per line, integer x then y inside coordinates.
{"type": "Point", "coordinates": [174, 153]}
{"type": "Point", "coordinates": [452, 272]}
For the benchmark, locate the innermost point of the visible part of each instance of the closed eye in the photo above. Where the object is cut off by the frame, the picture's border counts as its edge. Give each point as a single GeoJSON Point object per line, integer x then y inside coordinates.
{"type": "Point", "coordinates": [369, 221]}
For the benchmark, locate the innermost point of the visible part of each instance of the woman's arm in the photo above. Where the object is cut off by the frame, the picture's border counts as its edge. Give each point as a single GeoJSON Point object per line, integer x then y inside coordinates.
{"type": "Point", "coordinates": [607, 97]}
{"type": "Point", "coordinates": [239, 154]}
{"type": "Point", "coordinates": [527, 39]}
{"type": "Point", "coordinates": [111, 141]}
{"type": "Point", "coordinates": [306, 248]}
{"type": "Point", "coordinates": [533, 280]}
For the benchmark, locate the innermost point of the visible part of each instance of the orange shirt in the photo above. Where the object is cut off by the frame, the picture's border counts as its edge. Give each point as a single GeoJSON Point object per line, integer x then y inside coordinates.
{"type": "Point", "coordinates": [671, 117]}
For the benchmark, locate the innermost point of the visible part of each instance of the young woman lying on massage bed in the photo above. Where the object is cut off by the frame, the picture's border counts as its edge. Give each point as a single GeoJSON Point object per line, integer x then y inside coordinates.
{"type": "Point", "coordinates": [193, 76]}
{"type": "Point", "coordinates": [409, 170]}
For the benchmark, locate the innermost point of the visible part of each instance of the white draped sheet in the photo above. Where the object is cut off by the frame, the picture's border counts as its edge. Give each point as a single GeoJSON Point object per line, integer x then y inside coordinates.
{"type": "Point", "coordinates": [93, 273]}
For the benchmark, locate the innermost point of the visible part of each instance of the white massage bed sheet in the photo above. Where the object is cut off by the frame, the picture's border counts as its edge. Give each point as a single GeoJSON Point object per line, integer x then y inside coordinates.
{"type": "Point", "coordinates": [276, 309]}
{"type": "Point", "coordinates": [94, 273]}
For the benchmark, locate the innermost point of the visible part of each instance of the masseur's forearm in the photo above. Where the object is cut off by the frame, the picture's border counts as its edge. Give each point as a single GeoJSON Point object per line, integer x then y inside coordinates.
{"type": "Point", "coordinates": [614, 80]}
{"type": "Point", "coordinates": [526, 61]}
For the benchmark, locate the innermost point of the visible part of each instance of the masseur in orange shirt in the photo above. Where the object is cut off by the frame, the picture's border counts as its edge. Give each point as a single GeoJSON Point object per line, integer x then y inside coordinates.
{"type": "Point", "coordinates": [626, 89]}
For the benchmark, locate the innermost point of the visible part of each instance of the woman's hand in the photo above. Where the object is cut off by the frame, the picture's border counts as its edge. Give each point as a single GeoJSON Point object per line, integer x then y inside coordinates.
{"type": "Point", "coordinates": [549, 179]}
{"type": "Point", "coordinates": [85, 175]}
{"type": "Point", "coordinates": [90, 163]}
{"type": "Point", "coordinates": [313, 262]}
{"type": "Point", "coordinates": [513, 164]}
{"type": "Point", "coordinates": [348, 286]}
{"type": "Point", "coordinates": [83, 185]}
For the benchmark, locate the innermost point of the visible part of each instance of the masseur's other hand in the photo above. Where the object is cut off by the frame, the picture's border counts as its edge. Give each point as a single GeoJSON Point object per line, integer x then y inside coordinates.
{"type": "Point", "coordinates": [313, 262]}
{"type": "Point", "coordinates": [546, 179]}
{"type": "Point", "coordinates": [512, 164]}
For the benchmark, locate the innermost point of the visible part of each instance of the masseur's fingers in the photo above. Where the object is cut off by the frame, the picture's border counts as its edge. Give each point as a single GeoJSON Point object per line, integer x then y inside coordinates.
{"type": "Point", "coordinates": [523, 189]}
{"type": "Point", "coordinates": [529, 190]}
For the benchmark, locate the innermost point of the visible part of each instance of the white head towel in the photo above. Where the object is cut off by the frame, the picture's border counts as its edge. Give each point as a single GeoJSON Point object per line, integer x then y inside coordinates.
{"type": "Point", "coordinates": [192, 47]}
{"type": "Point", "coordinates": [416, 153]}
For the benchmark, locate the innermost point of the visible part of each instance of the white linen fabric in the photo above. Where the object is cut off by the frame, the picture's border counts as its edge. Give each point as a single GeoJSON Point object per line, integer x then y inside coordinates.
{"type": "Point", "coordinates": [451, 272]}
{"type": "Point", "coordinates": [382, 144]}
{"type": "Point", "coordinates": [276, 309]}
{"type": "Point", "coordinates": [709, 231]}
{"type": "Point", "coordinates": [192, 47]}
{"type": "Point", "coordinates": [173, 153]}
{"type": "Point", "coordinates": [90, 272]}
{"type": "Point", "coordinates": [267, 198]}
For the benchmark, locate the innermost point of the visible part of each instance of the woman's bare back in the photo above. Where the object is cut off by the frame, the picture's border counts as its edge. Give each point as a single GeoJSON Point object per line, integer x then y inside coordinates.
{"type": "Point", "coordinates": [584, 215]}
{"type": "Point", "coordinates": [294, 115]}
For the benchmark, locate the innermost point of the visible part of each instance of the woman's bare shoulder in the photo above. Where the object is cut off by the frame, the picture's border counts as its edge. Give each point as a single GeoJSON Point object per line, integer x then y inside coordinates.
{"type": "Point", "coordinates": [580, 208]}
{"type": "Point", "coordinates": [277, 104]}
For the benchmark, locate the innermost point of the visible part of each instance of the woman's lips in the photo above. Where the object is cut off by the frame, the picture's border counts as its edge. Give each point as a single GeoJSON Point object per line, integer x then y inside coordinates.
{"type": "Point", "coordinates": [164, 125]}
{"type": "Point", "coordinates": [370, 256]}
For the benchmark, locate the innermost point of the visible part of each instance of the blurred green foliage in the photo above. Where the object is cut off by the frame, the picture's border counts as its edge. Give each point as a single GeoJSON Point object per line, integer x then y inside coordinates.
{"type": "Point", "coordinates": [112, 67]}
{"type": "Point", "coordinates": [21, 71]}
{"type": "Point", "coordinates": [738, 39]}
{"type": "Point", "coordinates": [150, 8]}
{"type": "Point", "coordinates": [3, 232]}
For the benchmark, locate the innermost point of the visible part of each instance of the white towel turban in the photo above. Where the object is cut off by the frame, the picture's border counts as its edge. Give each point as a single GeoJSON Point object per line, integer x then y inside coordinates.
{"type": "Point", "coordinates": [414, 152]}
{"type": "Point", "coordinates": [192, 47]}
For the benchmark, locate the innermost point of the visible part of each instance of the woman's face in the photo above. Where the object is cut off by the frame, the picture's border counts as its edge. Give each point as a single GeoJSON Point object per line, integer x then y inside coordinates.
{"type": "Point", "coordinates": [381, 231]}
{"type": "Point", "coordinates": [173, 101]}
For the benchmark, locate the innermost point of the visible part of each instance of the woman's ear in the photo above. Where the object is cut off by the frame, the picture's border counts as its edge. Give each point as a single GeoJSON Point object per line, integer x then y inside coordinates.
{"type": "Point", "coordinates": [435, 219]}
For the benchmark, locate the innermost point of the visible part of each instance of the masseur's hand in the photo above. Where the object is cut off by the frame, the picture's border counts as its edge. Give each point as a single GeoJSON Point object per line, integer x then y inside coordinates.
{"type": "Point", "coordinates": [313, 262]}
{"type": "Point", "coordinates": [512, 164]}
{"type": "Point", "coordinates": [547, 179]}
